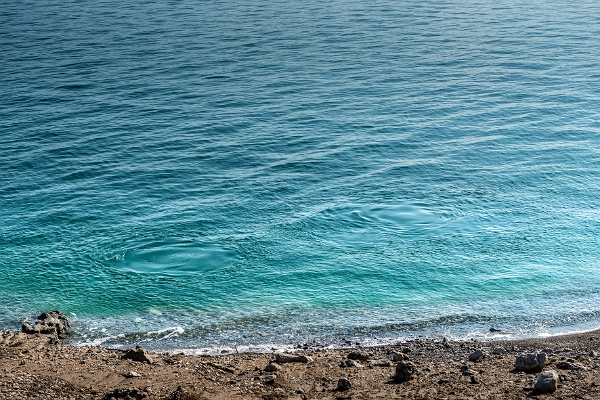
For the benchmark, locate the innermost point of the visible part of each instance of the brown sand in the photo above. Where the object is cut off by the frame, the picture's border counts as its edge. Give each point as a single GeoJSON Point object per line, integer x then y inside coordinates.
{"type": "Point", "coordinates": [36, 367]}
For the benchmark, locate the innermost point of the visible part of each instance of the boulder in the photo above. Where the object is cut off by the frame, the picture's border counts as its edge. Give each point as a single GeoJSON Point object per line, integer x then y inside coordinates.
{"type": "Point", "coordinates": [498, 350]}
{"type": "Point", "coordinates": [125, 394]}
{"type": "Point", "coordinates": [571, 366]}
{"type": "Point", "coordinates": [269, 379]}
{"type": "Point", "coordinates": [358, 355]}
{"type": "Point", "coordinates": [531, 362]}
{"type": "Point", "coordinates": [343, 384]}
{"type": "Point", "coordinates": [405, 371]}
{"type": "Point", "coordinates": [548, 350]}
{"type": "Point", "coordinates": [138, 354]}
{"type": "Point", "coordinates": [400, 357]}
{"type": "Point", "coordinates": [52, 323]}
{"type": "Point", "coordinates": [547, 382]}
{"type": "Point", "coordinates": [476, 356]}
{"type": "Point", "coordinates": [272, 367]}
{"type": "Point", "coordinates": [384, 362]}
{"type": "Point", "coordinates": [287, 358]}
{"type": "Point", "coordinates": [350, 363]}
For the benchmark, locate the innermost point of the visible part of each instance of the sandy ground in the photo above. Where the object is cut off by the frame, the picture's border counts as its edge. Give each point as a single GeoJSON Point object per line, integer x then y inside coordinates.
{"type": "Point", "coordinates": [39, 367]}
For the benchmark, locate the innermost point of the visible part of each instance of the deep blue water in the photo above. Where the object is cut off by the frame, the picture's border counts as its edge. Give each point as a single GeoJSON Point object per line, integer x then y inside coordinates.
{"type": "Point", "coordinates": [208, 174]}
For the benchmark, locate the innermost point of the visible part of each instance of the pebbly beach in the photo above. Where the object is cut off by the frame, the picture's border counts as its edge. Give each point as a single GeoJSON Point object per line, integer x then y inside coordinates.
{"type": "Point", "coordinates": [36, 363]}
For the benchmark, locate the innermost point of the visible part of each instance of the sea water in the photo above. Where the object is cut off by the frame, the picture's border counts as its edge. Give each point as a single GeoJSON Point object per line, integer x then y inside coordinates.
{"type": "Point", "coordinates": [199, 175]}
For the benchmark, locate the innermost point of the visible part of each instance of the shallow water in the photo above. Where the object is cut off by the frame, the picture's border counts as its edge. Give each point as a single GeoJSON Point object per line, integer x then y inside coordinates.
{"type": "Point", "coordinates": [204, 175]}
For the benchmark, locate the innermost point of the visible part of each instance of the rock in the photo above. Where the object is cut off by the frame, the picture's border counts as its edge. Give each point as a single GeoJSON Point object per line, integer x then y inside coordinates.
{"type": "Point", "coordinates": [52, 323]}
{"type": "Point", "coordinates": [272, 367]}
{"type": "Point", "coordinates": [571, 366]}
{"type": "Point", "coordinates": [531, 362]}
{"type": "Point", "coordinates": [468, 372]}
{"type": "Point", "coordinates": [138, 354]}
{"type": "Point", "coordinates": [343, 384]}
{"type": "Point", "coordinates": [498, 350]}
{"type": "Point", "coordinates": [351, 363]}
{"type": "Point", "coordinates": [384, 362]}
{"type": "Point", "coordinates": [269, 379]}
{"type": "Point", "coordinates": [132, 374]}
{"type": "Point", "coordinates": [125, 394]}
{"type": "Point", "coordinates": [476, 356]}
{"type": "Point", "coordinates": [405, 371]}
{"type": "Point", "coordinates": [400, 357]}
{"type": "Point", "coordinates": [547, 382]}
{"type": "Point", "coordinates": [358, 355]}
{"type": "Point", "coordinates": [495, 330]}
{"type": "Point", "coordinates": [288, 358]}
{"type": "Point", "coordinates": [593, 354]}
{"type": "Point", "coordinates": [185, 394]}
{"type": "Point", "coordinates": [474, 380]}
{"type": "Point", "coordinates": [548, 350]}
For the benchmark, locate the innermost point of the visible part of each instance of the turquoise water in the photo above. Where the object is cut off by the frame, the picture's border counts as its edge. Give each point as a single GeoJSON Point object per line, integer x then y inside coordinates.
{"type": "Point", "coordinates": [203, 175]}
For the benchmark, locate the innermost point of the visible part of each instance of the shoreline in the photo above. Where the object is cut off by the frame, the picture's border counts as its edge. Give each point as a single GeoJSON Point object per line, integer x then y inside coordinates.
{"type": "Point", "coordinates": [42, 367]}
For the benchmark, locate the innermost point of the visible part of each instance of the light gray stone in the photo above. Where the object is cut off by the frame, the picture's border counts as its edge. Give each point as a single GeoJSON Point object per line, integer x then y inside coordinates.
{"type": "Point", "coordinates": [547, 382]}
{"type": "Point", "coordinates": [287, 358]}
{"type": "Point", "coordinates": [384, 362]}
{"type": "Point", "coordinates": [531, 362]}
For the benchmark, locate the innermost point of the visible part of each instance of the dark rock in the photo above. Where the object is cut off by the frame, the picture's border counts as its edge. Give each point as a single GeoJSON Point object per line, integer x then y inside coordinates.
{"type": "Point", "coordinates": [571, 366]}
{"type": "Point", "coordinates": [125, 394]}
{"type": "Point", "coordinates": [498, 350]}
{"type": "Point", "coordinates": [468, 372]}
{"type": "Point", "coordinates": [138, 354]}
{"type": "Point", "coordinates": [547, 382]}
{"type": "Point", "coordinates": [52, 323]}
{"type": "Point", "coordinates": [272, 367]}
{"type": "Point", "coordinates": [269, 379]}
{"type": "Point", "coordinates": [476, 356]}
{"type": "Point", "coordinates": [343, 384]}
{"type": "Point", "coordinates": [548, 350]}
{"type": "Point", "coordinates": [593, 354]}
{"type": "Point", "coordinates": [358, 355]}
{"type": "Point", "coordinates": [351, 363]}
{"type": "Point", "coordinates": [531, 362]}
{"type": "Point", "coordinates": [400, 357]}
{"type": "Point", "coordinates": [287, 358]}
{"type": "Point", "coordinates": [405, 371]}
{"type": "Point", "coordinates": [185, 394]}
